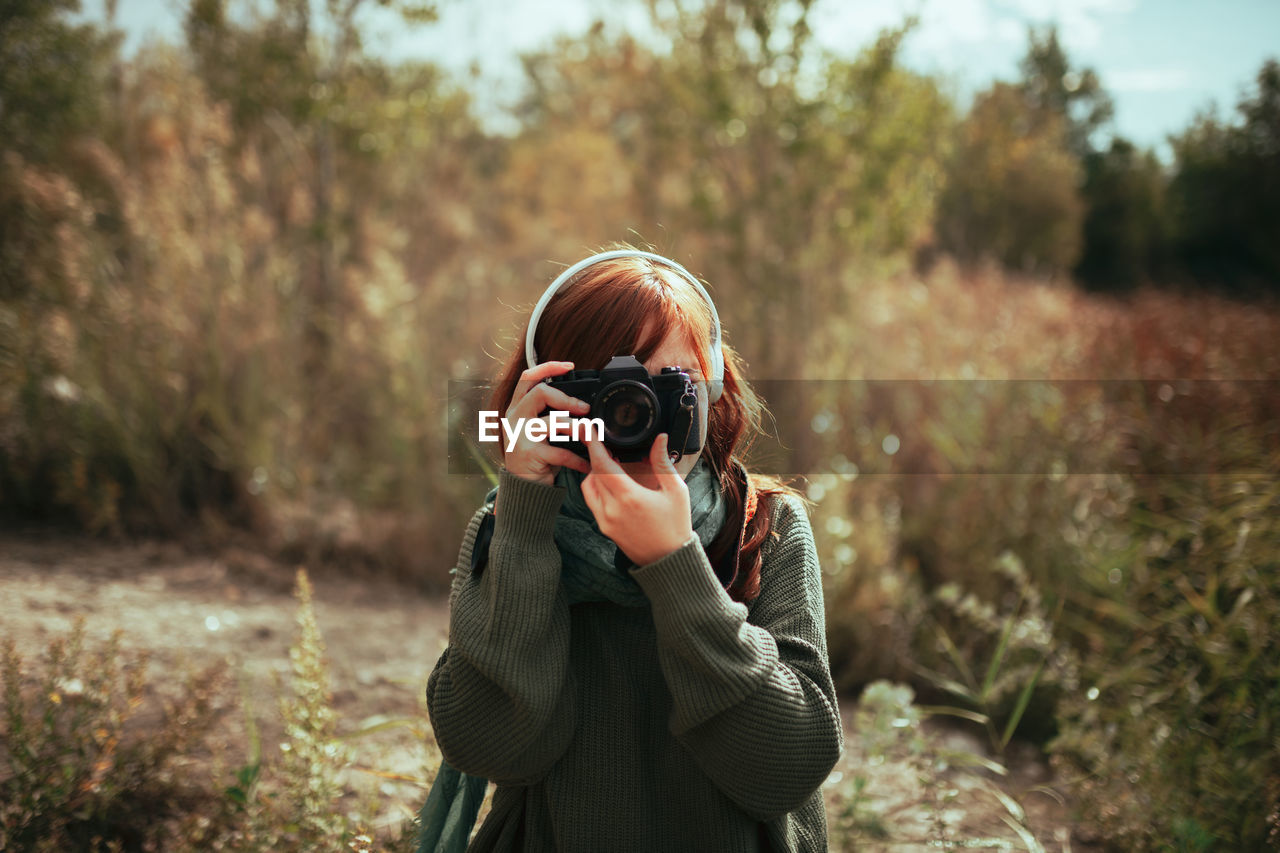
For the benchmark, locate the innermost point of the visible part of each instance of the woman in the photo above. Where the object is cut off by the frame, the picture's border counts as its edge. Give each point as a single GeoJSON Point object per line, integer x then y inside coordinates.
{"type": "Point", "coordinates": [636, 649]}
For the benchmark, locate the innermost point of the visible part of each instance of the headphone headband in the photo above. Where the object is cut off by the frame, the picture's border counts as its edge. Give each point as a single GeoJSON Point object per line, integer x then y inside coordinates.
{"type": "Point", "coordinates": [717, 357]}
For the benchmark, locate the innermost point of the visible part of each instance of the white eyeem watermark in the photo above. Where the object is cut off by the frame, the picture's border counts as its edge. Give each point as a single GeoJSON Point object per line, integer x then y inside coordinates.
{"type": "Point", "coordinates": [558, 427]}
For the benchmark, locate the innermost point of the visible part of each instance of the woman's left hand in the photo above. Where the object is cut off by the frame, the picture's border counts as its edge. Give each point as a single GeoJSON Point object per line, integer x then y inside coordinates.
{"type": "Point", "coordinates": [646, 523]}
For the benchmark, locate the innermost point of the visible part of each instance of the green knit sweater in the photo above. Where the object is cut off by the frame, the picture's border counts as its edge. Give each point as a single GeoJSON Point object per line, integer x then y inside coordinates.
{"type": "Point", "coordinates": [695, 723]}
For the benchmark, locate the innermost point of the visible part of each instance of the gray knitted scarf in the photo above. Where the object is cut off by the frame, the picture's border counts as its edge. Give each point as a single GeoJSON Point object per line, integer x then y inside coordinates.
{"type": "Point", "coordinates": [592, 569]}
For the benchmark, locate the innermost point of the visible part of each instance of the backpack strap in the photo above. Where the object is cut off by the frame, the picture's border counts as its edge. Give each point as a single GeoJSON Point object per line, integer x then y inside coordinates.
{"type": "Point", "coordinates": [480, 548]}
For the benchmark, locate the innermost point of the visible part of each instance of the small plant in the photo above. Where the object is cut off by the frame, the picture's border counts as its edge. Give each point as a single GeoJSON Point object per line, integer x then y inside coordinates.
{"type": "Point", "coordinates": [294, 803]}
{"type": "Point", "coordinates": [83, 763]}
{"type": "Point", "coordinates": [911, 789]}
{"type": "Point", "coordinates": [1018, 646]}
{"type": "Point", "coordinates": [312, 753]}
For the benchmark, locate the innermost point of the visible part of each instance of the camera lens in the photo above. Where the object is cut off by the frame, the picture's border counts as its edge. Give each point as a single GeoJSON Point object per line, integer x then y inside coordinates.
{"type": "Point", "coordinates": [629, 411]}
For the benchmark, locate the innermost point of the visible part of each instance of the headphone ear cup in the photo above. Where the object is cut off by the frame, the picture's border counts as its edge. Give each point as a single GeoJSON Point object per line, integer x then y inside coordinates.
{"type": "Point", "coordinates": [715, 387]}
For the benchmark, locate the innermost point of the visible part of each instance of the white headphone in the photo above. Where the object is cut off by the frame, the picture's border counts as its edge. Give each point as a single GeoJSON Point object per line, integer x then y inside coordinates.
{"type": "Point", "coordinates": [717, 357]}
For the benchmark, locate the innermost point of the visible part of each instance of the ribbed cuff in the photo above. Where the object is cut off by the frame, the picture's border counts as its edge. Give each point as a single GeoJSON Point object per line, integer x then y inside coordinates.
{"type": "Point", "coordinates": [683, 588]}
{"type": "Point", "coordinates": [711, 658]}
{"type": "Point", "coordinates": [524, 563]}
{"type": "Point", "coordinates": [525, 510]}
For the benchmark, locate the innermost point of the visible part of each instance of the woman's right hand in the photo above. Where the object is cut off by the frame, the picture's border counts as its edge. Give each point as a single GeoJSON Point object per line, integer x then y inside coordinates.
{"type": "Point", "coordinates": [539, 461]}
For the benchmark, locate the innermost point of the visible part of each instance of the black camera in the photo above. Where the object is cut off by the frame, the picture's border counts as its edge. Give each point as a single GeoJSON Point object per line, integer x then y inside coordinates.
{"type": "Point", "coordinates": [636, 407]}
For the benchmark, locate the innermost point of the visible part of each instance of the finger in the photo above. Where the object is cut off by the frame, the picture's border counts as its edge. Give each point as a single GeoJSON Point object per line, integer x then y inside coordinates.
{"type": "Point", "coordinates": [543, 397]}
{"type": "Point", "coordinates": [531, 377]}
{"type": "Point", "coordinates": [564, 458]}
{"type": "Point", "coordinates": [663, 468]}
{"type": "Point", "coordinates": [601, 461]}
{"type": "Point", "coordinates": [591, 494]}
{"type": "Point", "coordinates": [600, 500]}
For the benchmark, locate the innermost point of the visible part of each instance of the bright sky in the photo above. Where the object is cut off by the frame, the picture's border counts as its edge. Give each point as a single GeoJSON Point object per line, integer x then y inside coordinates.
{"type": "Point", "coordinates": [1161, 60]}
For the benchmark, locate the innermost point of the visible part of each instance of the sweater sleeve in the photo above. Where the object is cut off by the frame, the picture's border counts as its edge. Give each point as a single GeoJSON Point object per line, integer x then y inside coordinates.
{"type": "Point", "coordinates": [752, 699]}
{"type": "Point", "coordinates": [500, 698]}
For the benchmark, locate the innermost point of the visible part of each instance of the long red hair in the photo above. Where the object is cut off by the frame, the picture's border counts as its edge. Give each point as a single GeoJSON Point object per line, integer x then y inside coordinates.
{"type": "Point", "coordinates": [629, 306]}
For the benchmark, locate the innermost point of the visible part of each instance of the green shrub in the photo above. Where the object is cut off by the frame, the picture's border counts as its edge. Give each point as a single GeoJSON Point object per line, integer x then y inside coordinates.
{"type": "Point", "coordinates": [87, 762]}
{"type": "Point", "coordinates": [82, 763]}
{"type": "Point", "coordinates": [1173, 737]}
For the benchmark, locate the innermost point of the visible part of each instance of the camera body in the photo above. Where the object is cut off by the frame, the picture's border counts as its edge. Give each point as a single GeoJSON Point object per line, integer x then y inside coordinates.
{"type": "Point", "coordinates": [636, 407]}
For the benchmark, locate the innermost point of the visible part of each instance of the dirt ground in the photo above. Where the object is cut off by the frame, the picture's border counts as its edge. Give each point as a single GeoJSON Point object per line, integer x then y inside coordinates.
{"type": "Point", "coordinates": [190, 610]}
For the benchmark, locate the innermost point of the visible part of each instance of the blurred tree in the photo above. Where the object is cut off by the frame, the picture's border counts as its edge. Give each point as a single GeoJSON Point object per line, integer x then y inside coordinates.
{"type": "Point", "coordinates": [1057, 92]}
{"type": "Point", "coordinates": [704, 138]}
{"type": "Point", "coordinates": [307, 102]}
{"type": "Point", "coordinates": [275, 74]}
{"type": "Point", "coordinates": [772, 169]}
{"type": "Point", "coordinates": [51, 75]}
{"type": "Point", "coordinates": [259, 69]}
{"type": "Point", "coordinates": [889, 134]}
{"type": "Point", "coordinates": [1013, 190]}
{"type": "Point", "coordinates": [1126, 227]}
{"type": "Point", "coordinates": [1225, 192]}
